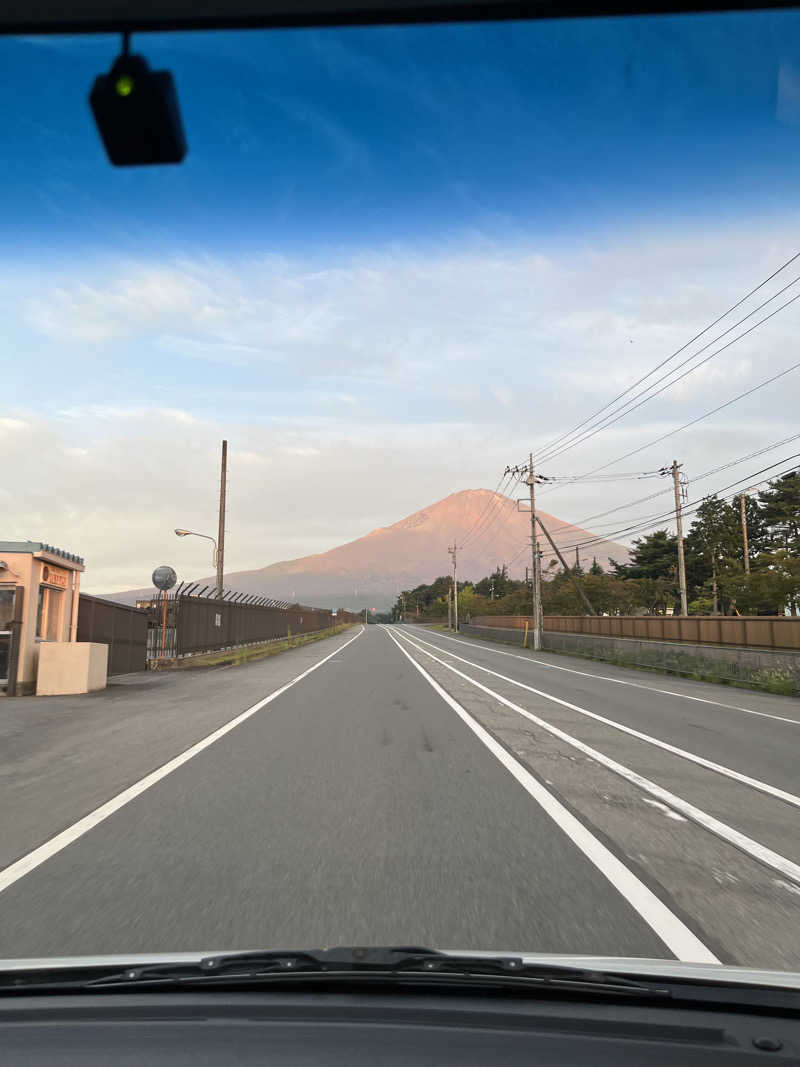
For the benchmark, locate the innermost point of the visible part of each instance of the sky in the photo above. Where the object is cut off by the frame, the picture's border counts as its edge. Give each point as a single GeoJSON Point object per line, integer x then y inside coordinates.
{"type": "Point", "coordinates": [394, 260]}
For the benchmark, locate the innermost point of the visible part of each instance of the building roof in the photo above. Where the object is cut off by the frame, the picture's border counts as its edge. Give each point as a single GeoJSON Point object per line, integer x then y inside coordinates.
{"type": "Point", "coordinates": [39, 546]}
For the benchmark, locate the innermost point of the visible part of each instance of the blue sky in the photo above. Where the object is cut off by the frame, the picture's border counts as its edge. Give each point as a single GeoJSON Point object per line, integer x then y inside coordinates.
{"type": "Point", "coordinates": [422, 240]}
{"type": "Point", "coordinates": [304, 139]}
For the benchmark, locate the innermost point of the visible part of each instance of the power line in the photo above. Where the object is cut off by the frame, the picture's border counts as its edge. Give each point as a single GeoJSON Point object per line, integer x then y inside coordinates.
{"type": "Point", "coordinates": [609, 421]}
{"type": "Point", "coordinates": [645, 523]}
{"type": "Point", "coordinates": [496, 515]}
{"type": "Point", "coordinates": [486, 507]}
{"type": "Point", "coordinates": [692, 422]}
{"type": "Point", "coordinates": [620, 507]}
{"type": "Point", "coordinates": [604, 477]}
{"type": "Point", "coordinates": [514, 559]}
{"type": "Point", "coordinates": [664, 362]}
{"type": "Point", "coordinates": [697, 478]}
{"type": "Point", "coordinates": [750, 455]}
{"type": "Point", "coordinates": [491, 504]}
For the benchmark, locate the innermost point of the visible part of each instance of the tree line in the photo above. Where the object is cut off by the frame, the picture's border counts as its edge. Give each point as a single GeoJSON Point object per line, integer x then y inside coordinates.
{"type": "Point", "coordinates": [717, 579]}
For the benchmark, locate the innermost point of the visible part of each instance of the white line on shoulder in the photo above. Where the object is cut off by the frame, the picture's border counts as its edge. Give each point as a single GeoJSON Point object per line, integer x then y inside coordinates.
{"type": "Point", "coordinates": [617, 681]}
{"type": "Point", "coordinates": [701, 761]}
{"type": "Point", "coordinates": [753, 848]}
{"type": "Point", "coordinates": [25, 864]}
{"type": "Point", "coordinates": [678, 938]}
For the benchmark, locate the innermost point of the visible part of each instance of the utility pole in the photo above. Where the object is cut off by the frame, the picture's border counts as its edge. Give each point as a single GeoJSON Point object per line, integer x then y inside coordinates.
{"type": "Point", "coordinates": [744, 536]}
{"type": "Point", "coordinates": [223, 485]}
{"type": "Point", "coordinates": [539, 583]}
{"type": "Point", "coordinates": [715, 600]}
{"type": "Point", "coordinates": [535, 568]}
{"type": "Point", "coordinates": [450, 606]}
{"type": "Point", "coordinates": [491, 588]}
{"type": "Point", "coordinates": [453, 550]}
{"type": "Point", "coordinates": [676, 479]}
{"type": "Point", "coordinates": [577, 555]}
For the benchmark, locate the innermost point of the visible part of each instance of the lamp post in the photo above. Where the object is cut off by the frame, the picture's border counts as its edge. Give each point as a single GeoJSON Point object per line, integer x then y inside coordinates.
{"type": "Point", "coordinates": [214, 558]}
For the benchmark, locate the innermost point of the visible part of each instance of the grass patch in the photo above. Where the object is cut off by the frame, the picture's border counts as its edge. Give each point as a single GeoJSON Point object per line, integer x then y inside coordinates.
{"type": "Point", "coordinates": [782, 683]}
{"type": "Point", "coordinates": [235, 657]}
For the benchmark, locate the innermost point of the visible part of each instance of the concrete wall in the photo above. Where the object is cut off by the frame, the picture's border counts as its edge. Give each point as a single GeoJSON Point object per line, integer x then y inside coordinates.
{"type": "Point", "coordinates": [777, 672]}
{"type": "Point", "coordinates": [69, 667]}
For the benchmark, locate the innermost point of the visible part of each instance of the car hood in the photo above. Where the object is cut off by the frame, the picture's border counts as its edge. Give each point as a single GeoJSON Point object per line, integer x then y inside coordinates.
{"type": "Point", "coordinates": [624, 965]}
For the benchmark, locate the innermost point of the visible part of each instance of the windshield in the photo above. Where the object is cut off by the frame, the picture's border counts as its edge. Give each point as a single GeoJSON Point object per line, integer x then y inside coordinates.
{"type": "Point", "coordinates": [400, 495]}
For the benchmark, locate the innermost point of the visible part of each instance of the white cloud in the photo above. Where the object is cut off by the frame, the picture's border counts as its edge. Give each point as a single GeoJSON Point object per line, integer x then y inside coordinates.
{"type": "Point", "coordinates": [297, 450]}
{"type": "Point", "coordinates": [361, 387]}
{"type": "Point", "coordinates": [115, 412]}
{"type": "Point", "coordinates": [9, 426]}
{"type": "Point", "coordinates": [484, 318]}
{"type": "Point", "coordinates": [501, 395]}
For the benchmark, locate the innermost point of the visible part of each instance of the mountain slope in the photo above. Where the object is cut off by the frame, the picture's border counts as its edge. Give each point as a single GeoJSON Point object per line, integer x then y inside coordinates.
{"type": "Point", "coordinates": [373, 569]}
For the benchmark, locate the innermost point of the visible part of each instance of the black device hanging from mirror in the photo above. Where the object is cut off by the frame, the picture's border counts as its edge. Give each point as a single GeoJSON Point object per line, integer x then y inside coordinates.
{"type": "Point", "coordinates": [137, 114]}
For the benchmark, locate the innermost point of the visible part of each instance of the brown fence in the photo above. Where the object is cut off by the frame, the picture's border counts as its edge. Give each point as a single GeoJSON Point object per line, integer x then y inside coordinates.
{"type": "Point", "coordinates": [206, 624]}
{"type": "Point", "coordinates": [198, 624]}
{"type": "Point", "coordinates": [122, 628]}
{"type": "Point", "coordinates": [743, 631]}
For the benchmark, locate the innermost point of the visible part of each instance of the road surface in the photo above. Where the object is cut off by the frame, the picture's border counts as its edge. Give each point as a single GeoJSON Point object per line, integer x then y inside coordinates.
{"type": "Point", "coordinates": [399, 785]}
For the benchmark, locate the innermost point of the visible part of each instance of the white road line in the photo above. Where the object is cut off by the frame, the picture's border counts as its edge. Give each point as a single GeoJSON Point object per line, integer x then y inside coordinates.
{"type": "Point", "coordinates": [619, 681]}
{"type": "Point", "coordinates": [678, 938]}
{"type": "Point", "coordinates": [34, 859]}
{"type": "Point", "coordinates": [715, 826]}
{"type": "Point", "coordinates": [701, 761]}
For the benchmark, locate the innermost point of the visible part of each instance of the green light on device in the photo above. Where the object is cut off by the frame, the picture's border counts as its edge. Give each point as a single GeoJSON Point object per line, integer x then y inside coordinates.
{"type": "Point", "coordinates": [124, 85]}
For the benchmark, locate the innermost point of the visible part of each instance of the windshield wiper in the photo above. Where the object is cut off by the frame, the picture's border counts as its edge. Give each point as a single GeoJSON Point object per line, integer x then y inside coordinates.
{"type": "Point", "coordinates": [381, 965]}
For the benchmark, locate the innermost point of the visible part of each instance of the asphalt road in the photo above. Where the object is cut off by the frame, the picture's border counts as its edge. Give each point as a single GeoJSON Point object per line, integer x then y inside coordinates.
{"type": "Point", "coordinates": [397, 785]}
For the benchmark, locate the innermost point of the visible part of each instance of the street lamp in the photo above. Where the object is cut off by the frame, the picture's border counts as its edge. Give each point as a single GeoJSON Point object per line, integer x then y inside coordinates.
{"type": "Point", "coordinates": [214, 558]}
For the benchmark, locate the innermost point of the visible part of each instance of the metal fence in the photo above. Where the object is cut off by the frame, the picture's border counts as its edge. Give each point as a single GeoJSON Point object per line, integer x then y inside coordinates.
{"type": "Point", "coordinates": [161, 643]}
{"type": "Point", "coordinates": [122, 628]}
{"type": "Point", "coordinates": [742, 631]}
{"type": "Point", "coordinates": [207, 624]}
{"type": "Point", "coordinates": [197, 624]}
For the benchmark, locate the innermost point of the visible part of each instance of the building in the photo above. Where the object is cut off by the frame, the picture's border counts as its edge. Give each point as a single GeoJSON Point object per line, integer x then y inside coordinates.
{"type": "Point", "coordinates": [39, 590]}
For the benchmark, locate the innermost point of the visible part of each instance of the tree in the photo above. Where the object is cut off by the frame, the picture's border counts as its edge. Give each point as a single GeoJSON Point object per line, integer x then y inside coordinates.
{"type": "Point", "coordinates": [595, 567]}
{"type": "Point", "coordinates": [772, 585]}
{"type": "Point", "coordinates": [654, 559]}
{"type": "Point", "coordinates": [758, 535]}
{"type": "Point", "coordinates": [780, 512]}
{"type": "Point", "coordinates": [655, 594]}
{"type": "Point", "coordinates": [608, 594]}
{"type": "Point", "coordinates": [714, 546]}
{"type": "Point", "coordinates": [653, 556]}
{"type": "Point", "coordinates": [466, 599]}
{"type": "Point", "coordinates": [498, 580]}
